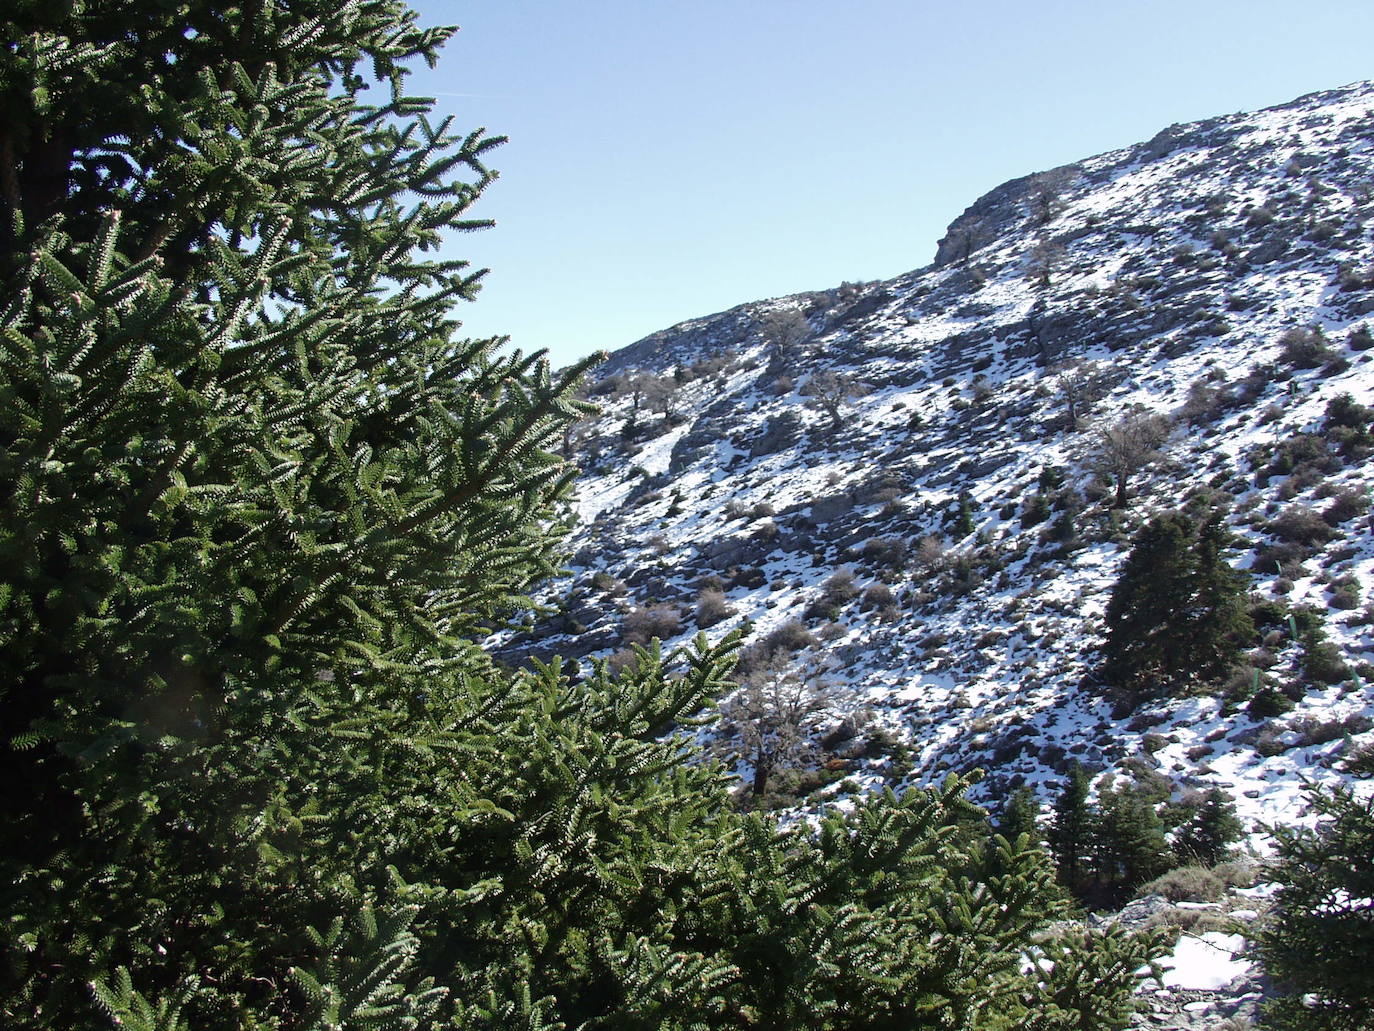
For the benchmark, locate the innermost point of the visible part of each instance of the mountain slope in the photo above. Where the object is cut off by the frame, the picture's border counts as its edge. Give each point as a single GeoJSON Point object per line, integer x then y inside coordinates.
{"type": "Point", "coordinates": [910, 494]}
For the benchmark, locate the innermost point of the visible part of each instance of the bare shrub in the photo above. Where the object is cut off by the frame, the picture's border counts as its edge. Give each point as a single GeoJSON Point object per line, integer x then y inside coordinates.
{"type": "Point", "coordinates": [930, 554]}
{"type": "Point", "coordinates": [792, 636]}
{"type": "Point", "coordinates": [876, 596]}
{"type": "Point", "coordinates": [1345, 505]}
{"type": "Point", "coordinates": [885, 551]}
{"type": "Point", "coordinates": [712, 608]}
{"type": "Point", "coordinates": [1304, 348]}
{"type": "Point", "coordinates": [1300, 525]}
{"type": "Point", "coordinates": [612, 585]}
{"type": "Point", "coordinates": [1313, 731]}
{"type": "Point", "coordinates": [642, 623]}
{"type": "Point", "coordinates": [780, 386]}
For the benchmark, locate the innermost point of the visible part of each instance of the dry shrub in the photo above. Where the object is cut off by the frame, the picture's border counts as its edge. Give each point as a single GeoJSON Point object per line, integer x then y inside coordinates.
{"type": "Point", "coordinates": [1187, 884]}
{"type": "Point", "coordinates": [712, 607]}
{"type": "Point", "coordinates": [645, 622]}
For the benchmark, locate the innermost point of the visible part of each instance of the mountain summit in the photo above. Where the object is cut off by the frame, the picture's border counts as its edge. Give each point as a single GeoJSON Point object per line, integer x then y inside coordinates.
{"type": "Point", "coordinates": [921, 493]}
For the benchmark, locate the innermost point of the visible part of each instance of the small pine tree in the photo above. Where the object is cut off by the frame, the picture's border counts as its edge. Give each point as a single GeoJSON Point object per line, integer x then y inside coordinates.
{"type": "Point", "coordinates": [962, 524]}
{"type": "Point", "coordinates": [1071, 834]}
{"type": "Point", "coordinates": [1021, 815]}
{"type": "Point", "coordinates": [1129, 847]}
{"type": "Point", "coordinates": [1210, 832]}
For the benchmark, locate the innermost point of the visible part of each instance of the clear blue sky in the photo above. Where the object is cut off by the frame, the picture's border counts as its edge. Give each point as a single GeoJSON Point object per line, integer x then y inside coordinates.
{"type": "Point", "coordinates": [671, 159]}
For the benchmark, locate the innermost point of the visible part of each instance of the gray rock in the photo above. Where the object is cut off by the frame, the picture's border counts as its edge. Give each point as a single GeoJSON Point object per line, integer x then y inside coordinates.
{"type": "Point", "coordinates": [781, 432]}
{"type": "Point", "coordinates": [824, 510]}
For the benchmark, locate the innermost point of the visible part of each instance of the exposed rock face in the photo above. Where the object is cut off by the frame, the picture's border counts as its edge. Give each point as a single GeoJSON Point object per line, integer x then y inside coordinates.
{"type": "Point", "coordinates": [781, 432]}
{"type": "Point", "coordinates": [1217, 274]}
{"type": "Point", "coordinates": [998, 213]}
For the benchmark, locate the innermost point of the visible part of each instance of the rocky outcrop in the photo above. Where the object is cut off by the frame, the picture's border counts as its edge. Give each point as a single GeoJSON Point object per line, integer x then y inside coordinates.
{"type": "Point", "coordinates": [996, 215]}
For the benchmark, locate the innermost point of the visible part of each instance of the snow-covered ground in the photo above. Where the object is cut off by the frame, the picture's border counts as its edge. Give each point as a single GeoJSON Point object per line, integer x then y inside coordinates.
{"type": "Point", "coordinates": [1205, 962]}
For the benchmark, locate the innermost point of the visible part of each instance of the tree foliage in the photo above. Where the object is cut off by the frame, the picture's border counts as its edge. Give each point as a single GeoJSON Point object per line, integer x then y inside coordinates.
{"type": "Point", "coordinates": [260, 503]}
{"type": "Point", "coordinates": [1322, 921]}
{"type": "Point", "coordinates": [1177, 614]}
{"type": "Point", "coordinates": [1107, 847]}
{"type": "Point", "coordinates": [1209, 834]}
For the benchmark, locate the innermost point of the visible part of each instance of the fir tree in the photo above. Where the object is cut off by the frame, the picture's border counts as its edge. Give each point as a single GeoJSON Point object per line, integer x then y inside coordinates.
{"type": "Point", "coordinates": [1177, 613]}
{"type": "Point", "coordinates": [962, 523]}
{"type": "Point", "coordinates": [1129, 847]}
{"type": "Point", "coordinates": [261, 500]}
{"type": "Point", "coordinates": [1071, 835]}
{"type": "Point", "coordinates": [1219, 614]}
{"type": "Point", "coordinates": [1021, 815]}
{"type": "Point", "coordinates": [1211, 830]}
{"type": "Point", "coordinates": [1321, 929]}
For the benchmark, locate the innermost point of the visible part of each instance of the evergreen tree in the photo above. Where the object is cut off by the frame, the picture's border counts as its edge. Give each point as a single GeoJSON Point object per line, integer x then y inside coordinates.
{"type": "Point", "coordinates": [1321, 929]}
{"type": "Point", "coordinates": [962, 523]}
{"type": "Point", "coordinates": [1211, 830]}
{"type": "Point", "coordinates": [1143, 628]}
{"type": "Point", "coordinates": [1071, 835]}
{"type": "Point", "coordinates": [1129, 847]}
{"type": "Point", "coordinates": [1219, 617]}
{"type": "Point", "coordinates": [1177, 613]}
{"type": "Point", "coordinates": [260, 503]}
{"type": "Point", "coordinates": [1021, 816]}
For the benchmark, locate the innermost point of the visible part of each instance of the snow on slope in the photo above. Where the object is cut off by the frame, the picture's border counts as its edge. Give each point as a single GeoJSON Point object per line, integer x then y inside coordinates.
{"type": "Point", "coordinates": [1174, 269]}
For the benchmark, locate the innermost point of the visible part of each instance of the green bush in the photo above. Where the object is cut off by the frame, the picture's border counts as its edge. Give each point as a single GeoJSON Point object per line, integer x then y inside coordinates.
{"type": "Point", "coordinates": [1035, 510]}
{"type": "Point", "coordinates": [1322, 661]}
{"type": "Point", "coordinates": [1268, 702]}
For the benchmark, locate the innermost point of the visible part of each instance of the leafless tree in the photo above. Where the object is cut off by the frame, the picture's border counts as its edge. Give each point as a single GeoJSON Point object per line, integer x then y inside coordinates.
{"type": "Point", "coordinates": [830, 391]}
{"type": "Point", "coordinates": [1044, 198]}
{"type": "Point", "coordinates": [1045, 259]}
{"type": "Point", "coordinates": [773, 718]}
{"type": "Point", "coordinates": [1127, 445]}
{"type": "Point", "coordinates": [1079, 385]}
{"type": "Point", "coordinates": [783, 329]}
{"type": "Point", "coordinates": [660, 395]}
{"type": "Point", "coordinates": [633, 385]}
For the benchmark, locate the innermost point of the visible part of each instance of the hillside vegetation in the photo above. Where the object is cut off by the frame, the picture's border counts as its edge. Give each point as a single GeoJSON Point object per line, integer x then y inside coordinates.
{"type": "Point", "coordinates": [921, 494]}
